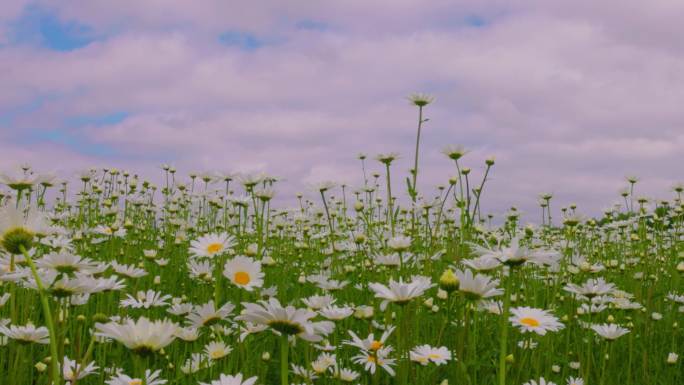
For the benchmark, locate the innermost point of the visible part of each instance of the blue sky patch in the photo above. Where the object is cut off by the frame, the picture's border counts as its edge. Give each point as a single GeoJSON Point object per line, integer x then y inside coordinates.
{"type": "Point", "coordinates": [41, 26]}
{"type": "Point", "coordinates": [312, 25]}
{"type": "Point", "coordinates": [244, 40]}
{"type": "Point", "coordinates": [476, 21]}
{"type": "Point", "coordinates": [7, 116]}
{"type": "Point", "coordinates": [96, 120]}
{"type": "Point", "coordinates": [73, 140]}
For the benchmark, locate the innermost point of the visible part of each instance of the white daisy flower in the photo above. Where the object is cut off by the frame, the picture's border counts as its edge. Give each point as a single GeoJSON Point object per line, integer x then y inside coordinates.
{"type": "Point", "coordinates": [530, 319]}
{"type": "Point", "coordinates": [244, 272]}
{"type": "Point", "coordinates": [425, 353]}
{"type": "Point", "coordinates": [142, 335]}
{"type": "Point", "coordinates": [211, 245]}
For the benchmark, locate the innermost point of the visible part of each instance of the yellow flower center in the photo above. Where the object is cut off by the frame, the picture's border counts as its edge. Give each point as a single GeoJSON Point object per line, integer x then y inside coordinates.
{"type": "Point", "coordinates": [529, 322]}
{"type": "Point", "coordinates": [371, 359]}
{"type": "Point", "coordinates": [135, 382]}
{"type": "Point", "coordinates": [216, 354]}
{"type": "Point", "coordinates": [376, 345]}
{"type": "Point", "coordinates": [434, 356]}
{"type": "Point", "coordinates": [214, 248]}
{"type": "Point", "coordinates": [241, 278]}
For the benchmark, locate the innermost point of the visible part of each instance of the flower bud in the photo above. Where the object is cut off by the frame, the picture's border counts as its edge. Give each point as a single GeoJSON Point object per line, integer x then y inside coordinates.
{"type": "Point", "coordinates": [672, 358]}
{"type": "Point", "coordinates": [449, 281]}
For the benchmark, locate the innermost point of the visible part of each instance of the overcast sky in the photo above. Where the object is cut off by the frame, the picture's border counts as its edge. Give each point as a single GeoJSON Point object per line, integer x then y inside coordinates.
{"type": "Point", "coordinates": [570, 96]}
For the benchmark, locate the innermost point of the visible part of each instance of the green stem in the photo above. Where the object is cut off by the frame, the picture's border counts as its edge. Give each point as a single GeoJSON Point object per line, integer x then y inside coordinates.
{"type": "Point", "coordinates": [390, 210]}
{"type": "Point", "coordinates": [503, 343]}
{"type": "Point", "coordinates": [54, 363]}
{"type": "Point", "coordinates": [284, 350]}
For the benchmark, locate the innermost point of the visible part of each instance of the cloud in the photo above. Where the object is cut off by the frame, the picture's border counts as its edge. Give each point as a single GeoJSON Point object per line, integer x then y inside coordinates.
{"type": "Point", "coordinates": [569, 99]}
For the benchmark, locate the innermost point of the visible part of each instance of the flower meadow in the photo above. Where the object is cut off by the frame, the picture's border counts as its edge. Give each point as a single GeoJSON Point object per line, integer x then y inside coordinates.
{"type": "Point", "coordinates": [110, 279]}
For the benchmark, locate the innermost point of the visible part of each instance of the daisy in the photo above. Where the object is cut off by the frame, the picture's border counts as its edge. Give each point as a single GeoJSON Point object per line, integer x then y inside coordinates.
{"type": "Point", "coordinates": [211, 245]}
{"type": "Point", "coordinates": [73, 371]}
{"type": "Point", "coordinates": [317, 302]}
{"type": "Point", "coordinates": [244, 272]}
{"type": "Point", "coordinates": [454, 152]}
{"type": "Point", "coordinates": [516, 254]}
{"type": "Point", "coordinates": [371, 360]}
{"type": "Point", "coordinates": [188, 334]}
{"type": "Point", "coordinates": [107, 230]}
{"type": "Point", "coordinates": [674, 297]}
{"type": "Point", "coordinates": [330, 284]}
{"type": "Point", "coordinates": [591, 288]}
{"type": "Point", "coordinates": [17, 229]}
{"type": "Point", "coordinates": [609, 331]}
{"type": "Point", "coordinates": [425, 353]}
{"type": "Point", "coordinates": [180, 308]}
{"type": "Point", "coordinates": [66, 263]}
{"type": "Point", "coordinates": [231, 380]}
{"type": "Point", "coordinates": [129, 271]}
{"type": "Point", "coordinates": [482, 263]}
{"type": "Point", "coordinates": [336, 313]}
{"type": "Point", "coordinates": [323, 362]}
{"type": "Point", "coordinates": [287, 320]}
{"type": "Point", "coordinates": [141, 336]}
{"type": "Point", "coordinates": [216, 350]}
{"type": "Point", "coordinates": [421, 100]}
{"type": "Point", "coordinates": [251, 328]}
{"type": "Point", "coordinates": [195, 363]}
{"type": "Point", "coordinates": [27, 334]}
{"type": "Point", "coordinates": [581, 262]}
{"type": "Point", "coordinates": [478, 286]}
{"type": "Point", "coordinates": [541, 381]}
{"type": "Point", "coordinates": [399, 243]}
{"type": "Point", "coordinates": [303, 373]}
{"type": "Point", "coordinates": [399, 292]}
{"type": "Point", "coordinates": [387, 158]}
{"type": "Point", "coordinates": [151, 378]}
{"type": "Point", "coordinates": [389, 260]}
{"type": "Point", "coordinates": [111, 283]}
{"type": "Point", "coordinates": [20, 180]}
{"type": "Point", "coordinates": [146, 300]}
{"type": "Point", "coordinates": [325, 346]}
{"type": "Point", "coordinates": [575, 381]}
{"type": "Point", "coordinates": [58, 242]}
{"type": "Point", "coordinates": [345, 375]}
{"type": "Point", "coordinates": [369, 343]}
{"type": "Point", "coordinates": [252, 179]}
{"type": "Point", "coordinates": [490, 306]}
{"type": "Point", "coordinates": [65, 286]}
{"type": "Point", "coordinates": [530, 319]}
{"type": "Point", "coordinates": [208, 314]}
{"type": "Point", "coordinates": [201, 270]}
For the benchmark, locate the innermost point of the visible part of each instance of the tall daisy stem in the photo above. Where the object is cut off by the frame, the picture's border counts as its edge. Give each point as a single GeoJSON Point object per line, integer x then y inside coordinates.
{"type": "Point", "coordinates": [390, 208]}
{"type": "Point", "coordinates": [284, 350]}
{"type": "Point", "coordinates": [54, 363]}
{"type": "Point", "coordinates": [503, 339]}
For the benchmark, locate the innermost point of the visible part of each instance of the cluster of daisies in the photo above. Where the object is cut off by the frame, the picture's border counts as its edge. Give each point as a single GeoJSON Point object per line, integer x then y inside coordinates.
{"type": "Point", "coordinates": [202, 280]}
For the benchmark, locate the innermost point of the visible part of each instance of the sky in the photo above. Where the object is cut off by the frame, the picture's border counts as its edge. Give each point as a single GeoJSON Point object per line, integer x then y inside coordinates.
{"type": "Point", "coordinates": [570, 96]}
